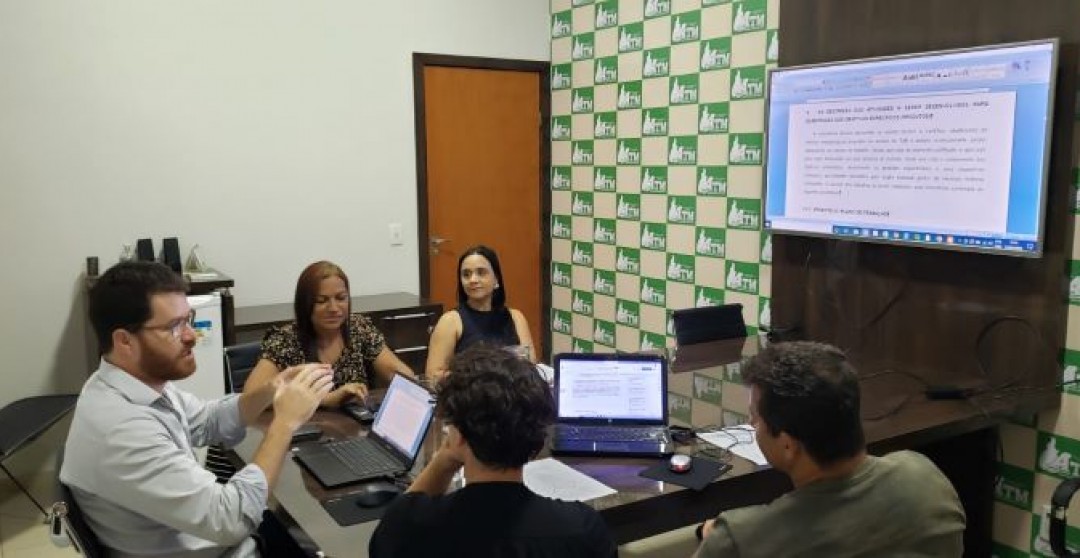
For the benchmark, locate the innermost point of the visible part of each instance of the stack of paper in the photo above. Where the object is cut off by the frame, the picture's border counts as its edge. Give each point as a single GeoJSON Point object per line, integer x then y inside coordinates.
{"type": "Point", "coordinates": [555, 479]}
{"type": "Point", "coordinates": [737, 439]}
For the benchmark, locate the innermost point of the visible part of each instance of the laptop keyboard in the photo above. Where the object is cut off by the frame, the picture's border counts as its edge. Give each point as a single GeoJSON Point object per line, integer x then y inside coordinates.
{"type": "Point", "coordinates": [363, 457]}
{"type": "Point", "coordinates": [610, 433]}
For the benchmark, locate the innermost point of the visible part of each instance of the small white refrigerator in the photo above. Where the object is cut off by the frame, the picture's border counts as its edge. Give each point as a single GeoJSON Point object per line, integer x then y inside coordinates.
{"type": "Point", "coordinates": [208, 381]}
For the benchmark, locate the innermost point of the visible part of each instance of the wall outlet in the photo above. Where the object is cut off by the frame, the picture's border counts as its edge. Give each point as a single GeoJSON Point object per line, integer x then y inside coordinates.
{"type": "Point", "coordinates": [395, 234]}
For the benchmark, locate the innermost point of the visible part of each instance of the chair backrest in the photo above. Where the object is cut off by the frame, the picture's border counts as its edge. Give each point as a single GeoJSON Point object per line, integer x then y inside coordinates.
{"type": "Point", "coordinates": [239, 360]}
{"type": "Point", "coordinates": [709, 323]}
{"type": "Point", "coordinates": [78, 531]}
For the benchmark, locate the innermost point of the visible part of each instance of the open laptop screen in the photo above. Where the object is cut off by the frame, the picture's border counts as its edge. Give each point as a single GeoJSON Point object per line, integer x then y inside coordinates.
{"type": "Point", "coordinates": [404, 416]}
{"type": "Point", "coordinates": [613, 387]}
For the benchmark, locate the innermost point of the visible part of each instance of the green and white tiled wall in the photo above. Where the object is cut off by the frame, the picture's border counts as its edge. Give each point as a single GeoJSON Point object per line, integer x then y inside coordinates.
{"type": "Point", "coordinates": [657, 142]}
{"type": "Point", "coordinates": [657, 120]}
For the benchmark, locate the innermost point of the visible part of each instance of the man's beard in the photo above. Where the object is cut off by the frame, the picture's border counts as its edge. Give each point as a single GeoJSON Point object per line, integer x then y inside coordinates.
{"type": "Point", "coordinates": [167, 367]}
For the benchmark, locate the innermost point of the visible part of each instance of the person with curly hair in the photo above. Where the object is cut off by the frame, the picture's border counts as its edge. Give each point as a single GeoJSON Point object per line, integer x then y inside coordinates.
{"type": "Point", "coordinates": [496, 409]}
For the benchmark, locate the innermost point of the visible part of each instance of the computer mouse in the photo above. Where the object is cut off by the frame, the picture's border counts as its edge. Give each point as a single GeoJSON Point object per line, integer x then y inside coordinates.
{"type": "Point", "coordinates": [376, 494]}
{"type": "Point", "coordinates": [359, 412]}
{"type": "Point", "coordinates": [680, 463]}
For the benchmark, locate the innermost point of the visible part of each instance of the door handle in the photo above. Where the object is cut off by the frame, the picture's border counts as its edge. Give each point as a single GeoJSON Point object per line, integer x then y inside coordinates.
{"type": "Point", "coordinates": [434, 243]}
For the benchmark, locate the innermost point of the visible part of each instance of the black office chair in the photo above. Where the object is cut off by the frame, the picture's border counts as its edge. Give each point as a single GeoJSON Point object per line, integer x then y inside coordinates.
{"type": "Point", "coordinates": [708, 323]}
{"type": "Point", "coordinates": [239, 361]}
{"type": "Point", "coordinates": [1059, 503]}
{"type": "Point", "coordinates": [22, 421]}
{"type": "Point", "coordinates": [71, 519]}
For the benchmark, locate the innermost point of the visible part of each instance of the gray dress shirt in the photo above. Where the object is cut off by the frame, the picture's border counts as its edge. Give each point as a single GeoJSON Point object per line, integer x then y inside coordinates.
{"type": "Point", "coordinates": [130, 462]}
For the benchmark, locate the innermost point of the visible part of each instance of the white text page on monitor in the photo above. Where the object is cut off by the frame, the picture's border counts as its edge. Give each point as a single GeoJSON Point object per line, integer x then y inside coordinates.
{"type": "Point", "coordinates": [944, 148]}
{"type": "Point", "coordinates": [404, 415]}
{"type": "Point", "coordinates": [604, 389]}
{"type": "Point", "coordinates": [904, 161]}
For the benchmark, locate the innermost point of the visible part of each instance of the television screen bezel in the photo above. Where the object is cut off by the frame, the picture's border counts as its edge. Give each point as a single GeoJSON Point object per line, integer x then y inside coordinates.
{"type": "Point", "coordinates": [1048, 142]}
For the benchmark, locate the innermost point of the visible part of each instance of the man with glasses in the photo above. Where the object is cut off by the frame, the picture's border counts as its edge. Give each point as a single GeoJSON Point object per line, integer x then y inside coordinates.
{"type": "Point", "coordinates": [129, 458]}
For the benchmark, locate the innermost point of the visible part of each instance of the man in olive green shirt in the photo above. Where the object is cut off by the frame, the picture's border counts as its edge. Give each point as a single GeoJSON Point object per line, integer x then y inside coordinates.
{"type": "Point", "coordinates": [804, 407]}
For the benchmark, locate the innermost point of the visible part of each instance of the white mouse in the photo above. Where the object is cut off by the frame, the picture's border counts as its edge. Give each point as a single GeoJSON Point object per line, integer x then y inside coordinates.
{"type": "Point", "coordinates": [680, 463]}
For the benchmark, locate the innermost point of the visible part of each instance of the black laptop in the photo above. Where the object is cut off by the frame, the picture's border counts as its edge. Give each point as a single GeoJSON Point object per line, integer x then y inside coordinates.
{"type": "Point", "coordinates": [388, 451]}
{"type": "Point", "coordinates": [708, 323]}
{"type": "Point", "coordinates": [611, 404]}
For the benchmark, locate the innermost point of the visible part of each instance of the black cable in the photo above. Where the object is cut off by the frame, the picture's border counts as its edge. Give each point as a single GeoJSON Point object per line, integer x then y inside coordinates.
{"type": "Point", "coordinates": [892, 412]}
{"type": "Point", "coordinates": [1017, 377]}
{"type": "Point", "coordinates": [889, 371]}
{"type": "Point", "coordinates": [885, 309]}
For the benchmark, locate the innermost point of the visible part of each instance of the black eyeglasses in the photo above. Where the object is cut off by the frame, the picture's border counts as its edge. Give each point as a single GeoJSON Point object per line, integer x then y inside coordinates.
{"type": "Point", "coordinates": [175, 328]}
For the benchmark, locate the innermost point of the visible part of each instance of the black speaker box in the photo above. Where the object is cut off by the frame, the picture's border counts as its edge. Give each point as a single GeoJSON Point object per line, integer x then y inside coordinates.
{"type": "Point", "coordinates": [170, 254]}
{"type": "Point", "coordinates": [144, 250]}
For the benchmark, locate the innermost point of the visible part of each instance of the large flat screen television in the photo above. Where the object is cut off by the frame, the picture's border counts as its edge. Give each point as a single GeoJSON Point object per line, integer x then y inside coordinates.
{"type": "Point", "coordinates": [944, 149]}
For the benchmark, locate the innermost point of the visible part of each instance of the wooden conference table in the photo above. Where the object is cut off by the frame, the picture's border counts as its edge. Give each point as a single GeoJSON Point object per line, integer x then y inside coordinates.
{"type": "Point", "coordinates": [705, 389]}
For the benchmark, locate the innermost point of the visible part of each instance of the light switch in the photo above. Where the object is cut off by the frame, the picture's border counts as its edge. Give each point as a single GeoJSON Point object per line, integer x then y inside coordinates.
{"type": "Point", "coordinates": [395, 234]}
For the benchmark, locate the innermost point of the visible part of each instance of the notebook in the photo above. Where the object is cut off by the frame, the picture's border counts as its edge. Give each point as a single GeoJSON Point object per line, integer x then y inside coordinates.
{"type": "Point", "coordinates": [708, 323]}
{"type": "Point", "coordinates": [611, 404]}
{"type": "Point", "coordinates": [389, 450]}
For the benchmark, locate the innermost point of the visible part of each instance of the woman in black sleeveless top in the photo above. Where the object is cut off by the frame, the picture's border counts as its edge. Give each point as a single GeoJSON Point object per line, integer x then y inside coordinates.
{"type": "Point", "coordinates": [481, 315]}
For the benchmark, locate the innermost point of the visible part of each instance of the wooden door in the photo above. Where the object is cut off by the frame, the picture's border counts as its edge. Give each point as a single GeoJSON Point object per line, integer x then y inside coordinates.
{"type": "Point", "coordinates": [484, 165]}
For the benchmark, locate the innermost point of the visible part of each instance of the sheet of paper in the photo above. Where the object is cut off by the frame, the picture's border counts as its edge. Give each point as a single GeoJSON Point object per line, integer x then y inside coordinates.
{"type": "Point", "coordinates": [546, 372]}
{"type": "Point", "coordinates": [555, 479]}
{"type": "Point", "coordinates": [738, 439]}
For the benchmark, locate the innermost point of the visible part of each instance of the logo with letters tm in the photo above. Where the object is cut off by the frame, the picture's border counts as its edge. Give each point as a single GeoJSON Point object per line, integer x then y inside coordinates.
{"type": "Point", "coordinates": [710, 241]}
{"type": "Point", "coordinates": [654, 236]}
{"type": "Point", "coordinates": [627, 313]}
{"type": "Point", "coordinates": [744, 214]}
{"type": "Point", "coordinates": [747, 16]}
{"type": "Point", "coordinates": [627, 260]}
{"type": "Point", "coordinates": [581, 346]}
{"type": "Point", "coordinates": [560, 178]}
{"type": "Point", "coordinates": [560, 76]}
{"type": "Point", "coordinates": [582, 253]}
{"type": "Point", "coordinates": [584, 47]}
{"type": "Point", "coordinates": [748, 83]}
{"type": "Point", "coordinates": [712, 181]}
{"type": "Point", "coordinates": [628, 206]}
{"type": "Point", "coordinates": [680, 268]}
{"type": "Point", "coordinates": [607, 14]}
{"type": "Point", "coordinates": [1014, 486]}
{"type": "Point", "coordinates": [715, 54]}
{"type": "Point", "coordinates": [582, 303]}
{"type": "Point", "coordinates": [582, 204]}
{"type": "Point", "coordinates": [604, 231]}
{"type": "Point", "coordinates": [560, 274]}
{"type": "Point", "coordinates": [746, 149]}
{"type": "Point", "coordinates": [653, 291]}
{"type": "Point", "coordinates": [604, 333]}
{"type": "Point", "coordinates": [604, 282]}
{"type": "Point", "coordinates": [560, 226]}
{"type": "Point", "coordinates": [741, 277]}
{"type": "Point", "coordinates": [654, 180]}
{"type": "Point", "coordinates": [560, 321]}
{"type": "Point", "coordinates": [604, 179]}
{"type": "Point", "coordinates": [560, 24]}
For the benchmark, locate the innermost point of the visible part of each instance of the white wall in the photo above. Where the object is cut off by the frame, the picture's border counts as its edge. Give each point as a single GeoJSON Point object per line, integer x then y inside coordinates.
{"type": "Point", "coordinates": [272, 133]}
